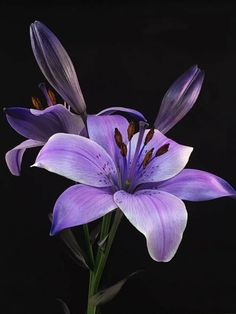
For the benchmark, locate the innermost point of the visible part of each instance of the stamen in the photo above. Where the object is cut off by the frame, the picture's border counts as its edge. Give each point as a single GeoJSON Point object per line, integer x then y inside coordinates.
{"type": "Point", "coordinates": [147, 158]}
{"type": "Point", "coordinates": [131, 130]}
{"type": "Point", "coordinates": [36, 103]}
{"type": "Point", "coordinates": [142, 126]}
{"type": "Point", "coordinates": [149, 136]}
{"type": "Point", "coordinates": [162, 150]}
{"type": "Point", "coordinates": [118, 138]}
{"type": "Point", "coordinates": [52, 96]}
{"type": "Point", "coordinates": [123, 150]}
{"type": "Point", "coordinates": [43, 88]}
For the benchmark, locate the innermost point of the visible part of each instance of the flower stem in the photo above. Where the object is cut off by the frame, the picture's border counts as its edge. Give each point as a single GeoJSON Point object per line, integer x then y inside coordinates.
{"type": "Point", "coordinates": [101, 258]}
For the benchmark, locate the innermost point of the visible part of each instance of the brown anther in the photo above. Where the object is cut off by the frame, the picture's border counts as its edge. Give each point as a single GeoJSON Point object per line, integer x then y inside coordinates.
{"type": "Point", "coordinates": [118, 138]}
{"type": "Point", "coordinates": [123, 150]}
{"type": "Point", "coordinates": [147, 157]}
{"type": "Point", "coordinates": [162, 150]}
{"type": "Point", "coordinates": [131, 130]}
{"type": "Point", "coordinates": [52, 96]}
{"type": "Point", "coordinates": [149, 136]}
{"type": "Point", "coordinates": [36, 103]}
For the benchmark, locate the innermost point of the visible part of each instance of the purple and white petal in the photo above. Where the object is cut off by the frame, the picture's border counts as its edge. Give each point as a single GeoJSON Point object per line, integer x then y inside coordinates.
{"type": "Point", "coordinates": [56, 65]}
{"type": "Point", "coordinates": [136, 114]}
{"type": "Point", "coordinates": [162, 167]}
{"type": "Point", "coordinates": [101, 129]}
{"type": "Point", "coordinates": [81, 204]}
{"type": "Point", "coordinates": [79, 159]}
{"type": "Point", "coordinates": [14, 156]}
{"type": "Point", "coordinates": [196, 185]}
{"type": "Point", "coordinates": [179, 99]}
{"type": "Point", "coordinates": [39, 125]}
{"type": "Point", "coordinates": [159, 216]}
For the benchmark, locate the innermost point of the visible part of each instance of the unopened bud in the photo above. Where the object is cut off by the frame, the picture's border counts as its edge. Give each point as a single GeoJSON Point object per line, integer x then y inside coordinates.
{"type": "Point", "coordinates": [131, 130]}
{"type": "Point", "coordinates": [118, 138]}
{"type": "Point", "coordinates": [162, 150]}
{"type": "Point", "coordinates": [123, 150]}
{"type": "Point", "coordinates": [149, 136]}
{"type": "Point", "coordinates": [36, 103]}
{"type": "Point", "coordinates": [147, 157]}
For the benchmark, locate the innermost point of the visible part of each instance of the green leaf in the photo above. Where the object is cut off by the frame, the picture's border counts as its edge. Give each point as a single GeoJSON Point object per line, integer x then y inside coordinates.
{"type": "Point", "coordinates": [69, 239]}
{"type": "Point", "coordinates": [101, 243]}
{"type": "Point", "coordinates": [108, 294]}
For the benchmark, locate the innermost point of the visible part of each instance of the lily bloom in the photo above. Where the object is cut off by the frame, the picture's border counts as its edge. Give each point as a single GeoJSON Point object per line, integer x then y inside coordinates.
{"type": "Point", "coordinates": [37, 125]}
{"type": "Point", "coordinates": [140, 173]}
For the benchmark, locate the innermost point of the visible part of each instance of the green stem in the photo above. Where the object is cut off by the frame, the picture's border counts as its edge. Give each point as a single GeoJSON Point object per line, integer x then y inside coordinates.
{"type": "Point", "coordinates": [101, 258]}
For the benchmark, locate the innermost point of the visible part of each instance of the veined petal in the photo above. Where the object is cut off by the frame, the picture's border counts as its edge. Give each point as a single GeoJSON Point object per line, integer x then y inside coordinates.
{"type": "Point", "coordinates": [159, 216]}
{"type": "Point", "coordinates": [39, 125]}
{"type": "Point", "coordinates": [79, 205]}
{"type": "Point", "coordinates": [56, 65]}
{"type": "Point", "coordinates": [196, 185]}
{"type": "Point", "coordinates": [14, 156]}
{"type": "Point", "coordinates": [136, 114]}
{"type": "Point", "coordinates": [101, 129]}
{"type": "Point", "coordinates": [162, 167]}
{"type": "Point", "coordinates": [77, 158]}
{"type": "Point", "coordinates": [179, 99]}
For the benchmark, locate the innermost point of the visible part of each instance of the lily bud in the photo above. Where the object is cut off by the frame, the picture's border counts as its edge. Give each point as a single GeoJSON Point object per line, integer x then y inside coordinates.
{"type": "Point", "coordinates": [56, 66]}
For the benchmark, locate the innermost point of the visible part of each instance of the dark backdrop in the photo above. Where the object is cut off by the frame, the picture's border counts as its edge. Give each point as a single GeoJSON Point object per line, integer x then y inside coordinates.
{"type": "Point", "coordinates": [128, 55]}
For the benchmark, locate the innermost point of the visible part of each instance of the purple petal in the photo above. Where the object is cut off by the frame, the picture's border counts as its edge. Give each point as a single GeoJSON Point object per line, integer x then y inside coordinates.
{"type": "Point", "coordinates": [101, 129]}
{"type": "Point", "coordinates": [159, 216]}
{"type": "Point", "coordinates": [56, 65]}
{"type": "Point", "coordinates": [79, 205]}
{"type": "Point", "coordinates": [14, 156]}
{"type": "Point", "coordinates": [162, 167]}
{"type": "Point", "coordinates": [136, 114]}
{"type": "Point", "coordinates": [39, 125]}
{"type": "Point", "coordinates": [196, 185]}
{"type": "Point", "coordinates": [179, 99]}
{"type": "Point", "coordinates": [77, 158]}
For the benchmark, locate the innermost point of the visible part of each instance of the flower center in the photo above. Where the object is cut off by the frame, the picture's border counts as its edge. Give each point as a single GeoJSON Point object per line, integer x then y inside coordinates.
{"type": "Point", "coordinates": [130, 167]}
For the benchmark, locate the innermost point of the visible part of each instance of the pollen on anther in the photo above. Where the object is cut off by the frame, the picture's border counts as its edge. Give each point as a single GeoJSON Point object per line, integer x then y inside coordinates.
{"type": "Point", "coordinates": [162, 150]}
{"type": "Point", "coordinates": [36, 103]}
{"type": "Point", "coordinates": [147, 158]}
{"type": "Point", "coordinates": [123, 150]}
{"type": "Point", "coordinates": [118, 138]}
{"type": "Point", "coordinates": [131, 130]}
{"type": "Point", "coordinates": [52, 96]}
{"type": "Point", "coordinates": [149, 136]}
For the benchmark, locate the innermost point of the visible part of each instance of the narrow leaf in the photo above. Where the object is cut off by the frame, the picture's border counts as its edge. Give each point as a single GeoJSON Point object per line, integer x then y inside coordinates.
{"type": "Point", "coordinates": [70, 241]}
{"type": "Point", "coordinates": [108, 294]}
{"type": "Point", "coordinates": [102, 242]}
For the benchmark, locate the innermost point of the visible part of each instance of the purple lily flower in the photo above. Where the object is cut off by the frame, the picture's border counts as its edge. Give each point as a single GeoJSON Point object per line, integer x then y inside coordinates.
{"type": "Point", "coordinates": [140, 173]}
{"type": "Point", "coordinates": [57, 67]}
{"type": "Point", "coordinates": [38, 126]}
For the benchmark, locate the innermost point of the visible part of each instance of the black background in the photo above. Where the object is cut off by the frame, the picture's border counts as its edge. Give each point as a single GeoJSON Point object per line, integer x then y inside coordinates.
{"type": "Point", "coordinates": [128, 55]}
